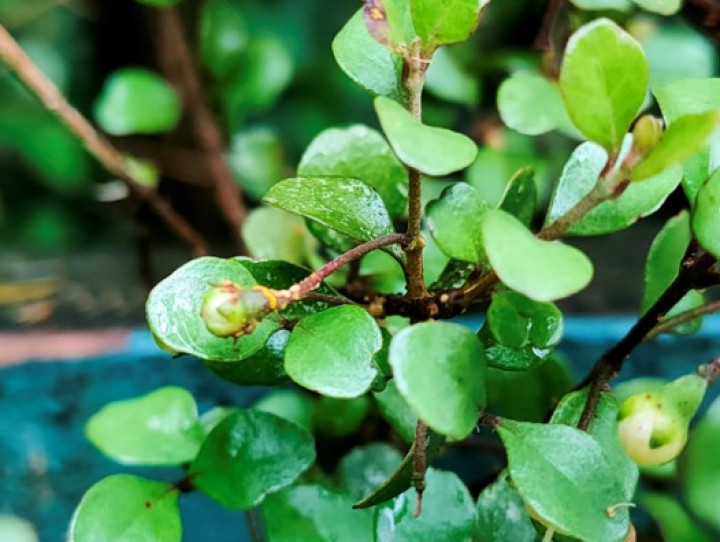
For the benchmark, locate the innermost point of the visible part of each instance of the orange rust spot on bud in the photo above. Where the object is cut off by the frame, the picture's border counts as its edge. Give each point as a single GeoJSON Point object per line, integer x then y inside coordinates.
{"type": "Point", "coordinates": [376, 14]}
{"type": "Point", "coordinates": [268, 294]}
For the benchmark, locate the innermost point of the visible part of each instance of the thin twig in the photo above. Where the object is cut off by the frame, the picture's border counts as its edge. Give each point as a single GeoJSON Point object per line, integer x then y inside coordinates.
{"type": "Point", "coordinates": [50, 96]}
{"type": "Point", "coordinates": [178, 64]}
{"type": "Point", "coordinates": [683, 318]}
{"type": "Point", "coordinates": [693, 272]}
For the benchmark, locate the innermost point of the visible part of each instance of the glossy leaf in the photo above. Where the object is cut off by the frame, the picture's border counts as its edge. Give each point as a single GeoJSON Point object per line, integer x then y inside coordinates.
{"type": "Point", "coordinates": [455, 222]}
{"type": "Point", "coordinates": [603, 79]}
{"type": "Point", "coordinates": [563, 475]}
{"type": "Point", "coordinates": [367, 467]}
{"type": "Point", "coordinates": [542, 270]}
{"type": "Point", "coordinates": [675, 523]}
{"type": "Point", "coordinates": [332, 352]}
{"type": "Point", "coordinates": [266, 367]}
{"type": "Point", "coordinates": [314, 513]}
{"type": "Point", "coordinates": [149, 512]}
{"type": "Point", "coordinates": [439, 369]}
{"type": "Point", "coordinates": [578, 179]}
{"type": "Point", "coordinates": [518, 321]}
{"type": "Point", "coordinates": [520, 196]}
{"type": "Point", "coordinates": [701, 468]}
{"type": "Point", "coordinates": [346, 205]}
{"type": "Point", "coordinates": [501, 514]}
{"type": "Point", "coordinates": [706, 218]}
{"type": "Point", "coordinates": [290, 405]}
{"type": "Point", "coordinates": [401, 480]}
{"type": "Point", "coordinates": [683, 138]}
{"type": "Point", "coordinates": [604, 428]}
{"type": "Point", "coordinates": [663, 266]}
{"type": "Point", "coordinates": [160, 428]}
{"type": "Point", "coordinates": [441, 23]}
{"type": "Point", "coordinates": [249, 455]}
{"type": "Point", "coordinates": [434, 151]}
{"type": "Point", "coordinates": [338, 418]}
{"type": "Point", "coordinates": [136, 101]}
{"type": "Point", "coordinates": [173, 311]}
{"type": "Point", "coordinates": [365, 61]}
{"type": "Point", "coordinates": [448, 512]}
{"type": "Point", "coordinates": [532, 104]}
{"type": "Point", "coordinates": [361, 153]}
{"type": "Point", "coordinates": [396, 411]}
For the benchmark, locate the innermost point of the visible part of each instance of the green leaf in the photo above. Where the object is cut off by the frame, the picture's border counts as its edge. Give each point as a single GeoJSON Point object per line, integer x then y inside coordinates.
{"type": "Point", "coordinates": [290, 405]}
{"type": "Point", "coordinates": [173, 311]}
{"type": "Point", "coordinates": [396, 411]}
{"type": "Point", "coordinates": [663, 266]}
{"type": "Point", "coordinates": [440, 370]}
{"type": "Point", "coordinates": [160, 428]}
{"type": "Point", "coordinates": [663, 7]}
{"type": "Point", "coordinates": [361, 153]}
{"type": "Point", "coordinates": [675, 523]}
{"type": "Point", "coordinates": [332, 352]}
{"type": "Point", "coordinates": [224, 37]}
{"type": "Point", "coordinates": [448, 513]}
{"type": "Point", "coordinates": [448, 79]}
{"type": "Point", "coordinates": [338, 418]}
{"type": "Point", "coordinates": [604, 428]}
{"type": "Point", "coordinates": [683, 138]}
{"type": "Point", "coordinates": [520, 197]}
{"type": "Point", "coordinates": [266, 367]}
{"type": "Point", "coordinates": [706, 219]}
{"type": "Point", "coordinates": [542, 270]}
{"type": "Point", "coordinates": [159, 3]}
{"type": "Point", "coordinates": [603, 79]}
{"type": "Point", "coordinates": [249, 455]}
{"type": "Point", "coordinates": [532, 104]}
{"type": "Point", "coordinates": [518, 321]}
{"type": "Point", "coordinates": [501, 514]}
{"type": "Point", "coordinates": [313, 513]}
{"type": "Point", "coordinates": [401, 479]}
{"type": "Point", "coordinates": [389, 22]}
{"type": "Point", "coordinates": [136, 101]}
{"type": "Point", "coordinates": [564, 477]}
{"type": "Point", "coordinates": [580, 176]}
{"type": "Point", "coordinates": [700, 468]}
{"type": "Point", "coordinates": [346, 205]}
{"type": "Point", "coordinates": [367, 467]}
{"type": "Point", "coordinates": [149, 512]}
{"type": "Point", "coordinates": [257, 160]}
{"type": "Point", "coordinates": [433, 151]}
{"type": "Point", "coordinates": [454, 221]}
{"type": "Point", "coordinates": [15, 529]}
{"type": "Point", "coordinates": [601, 5]}
{"type": "Point", "coordinates": [441, 22]}
{"type": "Point", "coordinates": [274, 234]}
{"type": "Point", "coordinates": [365, 61]}
{"type": "Point", "coordinates": [542, 387]}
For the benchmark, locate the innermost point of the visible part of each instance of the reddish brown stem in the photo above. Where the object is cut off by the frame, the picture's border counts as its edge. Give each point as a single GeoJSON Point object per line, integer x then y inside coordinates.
{"type": "Point", "coordinates": [178, 64]}
{"type": "Point", "coordinates": [50, 96]}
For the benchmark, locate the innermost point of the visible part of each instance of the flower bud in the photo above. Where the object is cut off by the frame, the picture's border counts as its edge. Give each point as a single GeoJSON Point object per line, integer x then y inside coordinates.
{"type": "Point", "coordinates": [232, 311]}
{"type": "Point", "coordinates": [653, 426]}
{"type": "Point", "coordinates": [647, 133]}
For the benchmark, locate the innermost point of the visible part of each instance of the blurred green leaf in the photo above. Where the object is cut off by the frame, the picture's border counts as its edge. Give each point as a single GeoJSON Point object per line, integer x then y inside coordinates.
{"type": "Point", "coordinates": [601, 5]}
{"type": "Point", "coordinates": [675, 522]}
{"type": "Point", "coordinates": [361, 153]}
{"type": "Point", "coordinates": [454, 221]}
{"type": "Point", "coordinates": [160, 428]}
{"type": "Point", "coordinates": [366, 467]}
{"type": "Point", "coordinates": [365, 61]}
{"type": "Point", "coordinates": [439, 369]}
{"type": "Point", "coordinates": [448, 80]}
{"type": "Point", "coordinates": [257, 160]}
{"type": "Point", "coordinates": [434, 151]}
{"type": "Point", "coordinates": [274, 234]}
{"type": "Point", "coordinates": [173, 311]}
{"type": "Point", "coordinates": [396, 411]}
{"type": "Point", "coordinates": [159, 3]}
{"type": "Point", "coordinates": [15, 529]}
{"type": "Point", "coordinates": [332, 352]}
{"type": "Point", "coordinates": [249, 455]}
{"type": "Point", "coordinates": [663, 7]}
{"type": "Point", "coordinates": [603, 79]}
{"type": "Point", "coordinates": [136, 101]}
{"type": "Point", "coordinates": [149, 511]}
{"type": "Point", "coordinates": [224, 37]}
{"type": "Point", "coordinates": [542, 270]}
{"type": "Point", "coordinates": [291, 405]}
{"type": "Point", "coordinates": [337, 418]}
